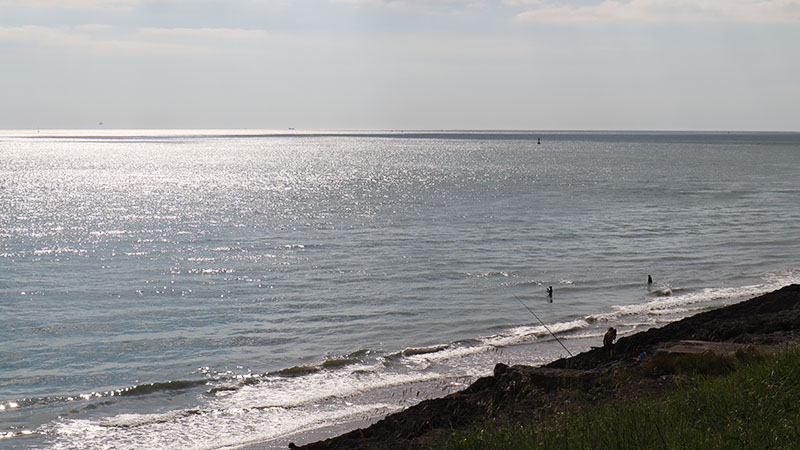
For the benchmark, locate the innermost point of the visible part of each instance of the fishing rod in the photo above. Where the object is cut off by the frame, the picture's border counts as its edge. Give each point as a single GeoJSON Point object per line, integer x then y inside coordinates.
{"type": "Point", "coordinates": [545, 326]}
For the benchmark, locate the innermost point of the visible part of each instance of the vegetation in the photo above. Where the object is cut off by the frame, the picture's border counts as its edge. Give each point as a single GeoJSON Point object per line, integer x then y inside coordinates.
{"type": "Point", "coordinates": [753, 402]}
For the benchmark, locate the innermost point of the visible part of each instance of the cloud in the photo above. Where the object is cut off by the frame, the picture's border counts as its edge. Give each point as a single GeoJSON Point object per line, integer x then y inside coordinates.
{"type": "Point", "coordinates": [71, 4]}
{"type": "Point", "coordinates": [675, 11]}
{"type": "Point", "coordinates": [105, 38]}
{"type": "Point", "coordinates": [113, 4]}
{"type": "Point", "coordinates": [427, 5]}
{"type": "Point", "coordinates": [407, 2]}
{"type": "Point", "coordinates": [92, 27]}
{"type": "Point", "coordinates": [81, 37]}
{"type": "Point", "coordinates": [238, 34]}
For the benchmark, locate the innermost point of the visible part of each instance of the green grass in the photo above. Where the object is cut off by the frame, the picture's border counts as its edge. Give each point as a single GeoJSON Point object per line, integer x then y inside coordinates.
{"type": "Point", "coordinates": [754, 405]}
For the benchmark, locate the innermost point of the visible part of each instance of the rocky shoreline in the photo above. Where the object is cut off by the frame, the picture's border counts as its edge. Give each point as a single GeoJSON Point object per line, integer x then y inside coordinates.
{"type": "Point", "coordinates": [524, 394]}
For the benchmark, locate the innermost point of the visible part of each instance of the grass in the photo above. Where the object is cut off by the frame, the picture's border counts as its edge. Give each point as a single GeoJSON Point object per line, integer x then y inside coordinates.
{"type": "Point", "coordinates": [749, 404]}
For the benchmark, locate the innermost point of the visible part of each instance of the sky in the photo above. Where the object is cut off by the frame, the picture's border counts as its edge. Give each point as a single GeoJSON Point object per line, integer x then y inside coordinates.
{"type": "Point", "coordinates": [401, 64]}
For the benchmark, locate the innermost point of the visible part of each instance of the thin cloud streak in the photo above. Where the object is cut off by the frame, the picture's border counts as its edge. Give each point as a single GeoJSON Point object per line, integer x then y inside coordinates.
{"type": "Point", "coordinates": [420, 5]}
{"type": "Point", "coordinates": [73, 4]}
{"type": "Point", "coordinates": [112, 5]}
{"type": "Point", "coordinates": [238, 34]}
{"type": "Point", "coordinates": [78, 38]}
{"type": "Point", "coordinates": [666, 11]}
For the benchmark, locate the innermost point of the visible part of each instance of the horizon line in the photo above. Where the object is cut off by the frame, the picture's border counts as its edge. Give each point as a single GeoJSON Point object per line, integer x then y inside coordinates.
{"type": "Point", "coordinates": [300, 131]}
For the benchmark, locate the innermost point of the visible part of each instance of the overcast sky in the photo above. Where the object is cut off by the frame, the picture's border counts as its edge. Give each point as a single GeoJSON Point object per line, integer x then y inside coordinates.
{"type": "Point", "coordinates": [401, 64]}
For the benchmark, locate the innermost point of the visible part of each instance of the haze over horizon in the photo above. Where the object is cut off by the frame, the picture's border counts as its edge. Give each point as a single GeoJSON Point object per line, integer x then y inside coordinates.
{"type": "Point", "coordinates": [392, 64]}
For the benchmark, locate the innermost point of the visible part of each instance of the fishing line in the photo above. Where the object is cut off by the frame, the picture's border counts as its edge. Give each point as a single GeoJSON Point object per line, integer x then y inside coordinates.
{"type": "Point", "coordinates": [545, 326]}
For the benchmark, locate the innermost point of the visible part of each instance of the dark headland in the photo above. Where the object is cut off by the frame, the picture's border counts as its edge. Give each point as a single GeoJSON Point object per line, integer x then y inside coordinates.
{"type": "Point", "coordinates": [524, 394]}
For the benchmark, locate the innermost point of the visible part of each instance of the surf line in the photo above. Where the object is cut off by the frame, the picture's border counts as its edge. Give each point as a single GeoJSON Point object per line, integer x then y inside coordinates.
{"type": "Point", "coordinates": [545, 326]}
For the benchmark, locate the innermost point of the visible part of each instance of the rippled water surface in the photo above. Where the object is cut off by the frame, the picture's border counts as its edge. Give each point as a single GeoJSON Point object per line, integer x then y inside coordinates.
{"type": "Point", "coordinates": [212, 288]}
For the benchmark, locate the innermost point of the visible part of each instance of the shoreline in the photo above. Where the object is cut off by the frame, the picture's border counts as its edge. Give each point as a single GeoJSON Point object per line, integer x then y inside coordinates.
{"type": "Point", "coordinates": [515, 392]}
{"type": "Point", "coordinates": [429, 390]}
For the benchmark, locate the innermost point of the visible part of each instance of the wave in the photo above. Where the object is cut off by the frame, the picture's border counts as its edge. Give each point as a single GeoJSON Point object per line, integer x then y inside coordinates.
{"type": "Point", "coordinates": [680, 300]}
{"type": "Point", "coordinates": [298, 397]}
{"type": "Point", "coordinates": [297, 371]}
{"type": "Point", "coordinates": [356, 358]}
{"type": "Point", "coordinates": [144, 389]}
{"type": "Point", "coordinates": [413, 351]}
{"type": "Point", "coordinates": [336, 363]}
{"type": "Point", "coordinates": [16, 434]}
{"type": "Point", "coordinates": [131, 391]}
{"type": "Point", "coordinates": [662, 292]}
{"type": "Point", "coordinates": [365, 362]}
{"type": "Point", "coordinates": [329, 364]}
{"type": "Point", "coordinates": [525, 334]}
{"type": "Point", "coordinates": [137, 420]}
{"type": "Point", "coordinates": [337, 390]}
{"type": "Point", "coordinates": [203, 429]}
{"type": "Point", "coordinates": [421, 357]}
{"type": "Point", "coordinates": [313, 389]}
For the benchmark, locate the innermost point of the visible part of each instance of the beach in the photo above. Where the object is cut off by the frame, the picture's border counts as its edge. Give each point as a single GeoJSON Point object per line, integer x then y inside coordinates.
{"type": "Point", "coordinates": [522, 393]}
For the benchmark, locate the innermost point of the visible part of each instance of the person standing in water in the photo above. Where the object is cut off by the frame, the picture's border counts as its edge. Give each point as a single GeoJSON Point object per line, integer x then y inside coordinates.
{"type": "Point", "coordinates": [550, 293]}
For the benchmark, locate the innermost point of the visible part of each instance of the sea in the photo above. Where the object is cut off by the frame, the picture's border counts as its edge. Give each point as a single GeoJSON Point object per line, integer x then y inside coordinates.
{"type": "Point", "coordinates": [205, 289]}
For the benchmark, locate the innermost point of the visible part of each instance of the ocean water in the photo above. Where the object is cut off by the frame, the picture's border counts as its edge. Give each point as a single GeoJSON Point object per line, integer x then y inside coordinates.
{"type": "Point", "coordinates": [208, 289]}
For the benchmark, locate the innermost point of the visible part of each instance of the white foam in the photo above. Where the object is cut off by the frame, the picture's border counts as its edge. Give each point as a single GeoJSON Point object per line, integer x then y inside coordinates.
{"type": "Point", "coordinates": [136, 420]}
{"type": "Point", "coordinates": [421, 361]}
{"type": "Point", "coordinates": [683, 302]}
{"type": "Point", "coordinates": [316, 387]}
{"type": "Point", "coordinates": [264, 411]}
{"type": "Point", "coordinates": [670, 311]}
{"type": "Point", "coordinates": [784, 278]}
{"type": "Point", "coordinates": [525, 334]}
{"type": "Point", "coordinates": [514, 336]}
{"type": "Point", "coordinates": [9, 405]}
{"type": "Point", "coordinates": [210, 429]}
{"type": "Point", "coordinates": [15, 434]}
